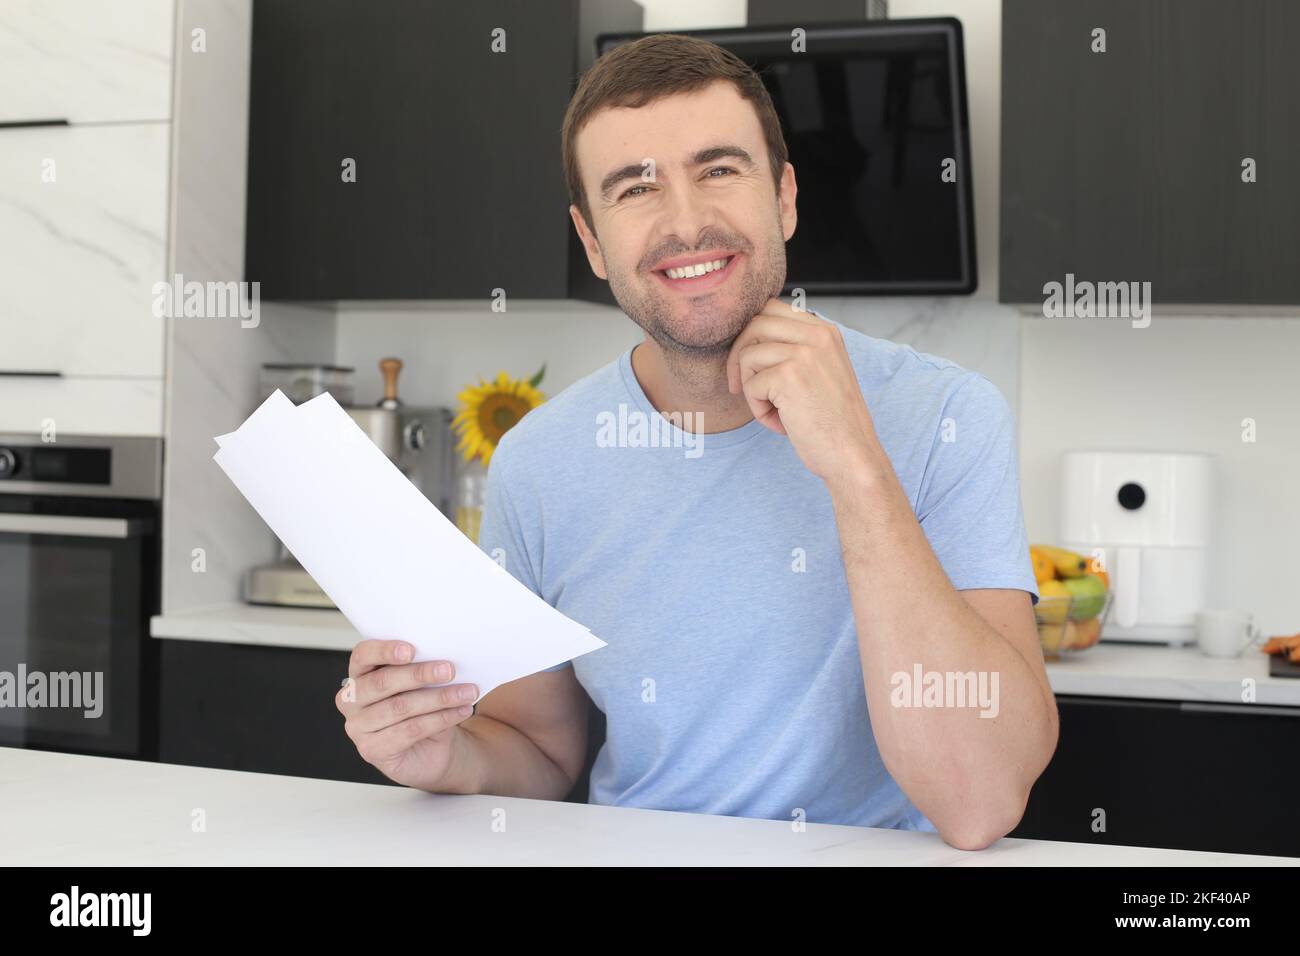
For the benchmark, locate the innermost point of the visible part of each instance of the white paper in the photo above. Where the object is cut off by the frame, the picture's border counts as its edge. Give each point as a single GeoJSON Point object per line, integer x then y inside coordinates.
{"type": "Point", "coordinates": [386, 556]}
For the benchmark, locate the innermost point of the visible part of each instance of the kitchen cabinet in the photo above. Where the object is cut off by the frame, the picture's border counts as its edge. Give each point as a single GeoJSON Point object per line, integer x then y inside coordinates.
{"type": "Point", "coordinates": [85, 239]}
{"type": "Point", "coordinates": [259, 708]}
{"type": "Point", "coordinates": [86, 62]}
{"type": "Point", "coordinates": [459, 188]}
{"type": "Point", "coordinates": [79, 406]}
{"type": "Point", "coordinates": [1126, 166]}
{"type": "Point", "coordinates": [85, 107]}
{"type": "Point", "coordinates": [1185, 775]}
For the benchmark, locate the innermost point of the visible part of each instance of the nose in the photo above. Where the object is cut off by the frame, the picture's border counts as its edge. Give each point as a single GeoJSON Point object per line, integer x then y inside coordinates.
{"type": "Point", "coordinates": [688, 213]}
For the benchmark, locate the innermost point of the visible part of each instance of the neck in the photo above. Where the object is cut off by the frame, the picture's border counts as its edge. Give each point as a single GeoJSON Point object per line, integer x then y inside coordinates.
{"type": "Point", "coordinates": [677, 383]}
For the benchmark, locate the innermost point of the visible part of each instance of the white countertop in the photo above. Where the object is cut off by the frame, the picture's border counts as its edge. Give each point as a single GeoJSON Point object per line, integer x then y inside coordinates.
{"type": "Point", "coordinates": [1140, 671]}
{"type": "Point", "coordinates": [70, 810]}
{"type": "Point", "coordinates": [309, 627]}
{"type": "Point", "coordinates": [1157, 672]}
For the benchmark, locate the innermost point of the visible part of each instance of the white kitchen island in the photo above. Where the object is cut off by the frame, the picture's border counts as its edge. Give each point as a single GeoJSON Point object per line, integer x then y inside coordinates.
{"type": "Point", "coordinates": [69, 810]}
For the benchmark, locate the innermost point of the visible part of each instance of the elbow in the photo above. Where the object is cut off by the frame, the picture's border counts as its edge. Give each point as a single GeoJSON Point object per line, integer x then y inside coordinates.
{"type": "Point", "coordinates": [982, 822]}
{"type": "Point", "coordinates": [981, 827]}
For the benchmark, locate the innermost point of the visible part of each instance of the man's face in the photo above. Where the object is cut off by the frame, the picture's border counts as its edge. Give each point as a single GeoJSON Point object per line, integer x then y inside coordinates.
{"type": "Point", "coordinates": [707, 196]}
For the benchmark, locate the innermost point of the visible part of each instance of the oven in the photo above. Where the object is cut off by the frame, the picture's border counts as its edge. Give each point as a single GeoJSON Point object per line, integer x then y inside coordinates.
{"type": "Point", "coordinates": [79, 582]}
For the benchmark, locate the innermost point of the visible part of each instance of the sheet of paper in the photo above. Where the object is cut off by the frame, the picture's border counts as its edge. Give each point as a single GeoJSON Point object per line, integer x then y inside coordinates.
{"type": "Point", "coordinates": [386, 556]}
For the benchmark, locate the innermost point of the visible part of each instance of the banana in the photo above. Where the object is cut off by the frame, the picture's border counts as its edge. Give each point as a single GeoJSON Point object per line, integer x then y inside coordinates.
{"type": "Point", "coordinates": [1067, 563]}
{"type": "Point", "coordinates": [1044, 570]}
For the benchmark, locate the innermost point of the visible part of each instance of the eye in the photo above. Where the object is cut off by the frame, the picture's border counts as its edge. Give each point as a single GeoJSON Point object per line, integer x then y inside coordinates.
{"type": "Point", "coordinates": [718, 169]}
{"type": "Point", "coordinates": [633, 192]}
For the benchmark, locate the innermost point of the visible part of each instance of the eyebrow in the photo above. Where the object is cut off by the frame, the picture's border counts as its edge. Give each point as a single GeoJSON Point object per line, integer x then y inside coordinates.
{"type": "Point", "coordinates": [707, 155]}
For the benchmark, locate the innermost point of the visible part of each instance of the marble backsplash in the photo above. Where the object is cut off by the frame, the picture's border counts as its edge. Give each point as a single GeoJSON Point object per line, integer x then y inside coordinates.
{"type": "Point", "coordinates": [447, 345]}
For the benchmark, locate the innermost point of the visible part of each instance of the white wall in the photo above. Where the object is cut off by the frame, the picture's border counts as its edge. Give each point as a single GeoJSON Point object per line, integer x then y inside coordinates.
{"type": "Point", "coordinates": [693, 14]}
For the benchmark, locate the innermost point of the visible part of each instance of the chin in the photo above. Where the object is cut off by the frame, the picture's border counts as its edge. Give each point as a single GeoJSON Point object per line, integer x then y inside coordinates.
{"type": "Point", "coordinates": [701, 339]}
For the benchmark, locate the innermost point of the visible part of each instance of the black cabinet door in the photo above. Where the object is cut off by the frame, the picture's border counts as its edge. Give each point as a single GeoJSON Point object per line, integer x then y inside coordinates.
{"type": "Point", "coordinates": [459, 185]}
{"type": "Point", "coordinates": [261, 709]}
{"type": "Point", "coordinates": [1219, 777]}
{"type": "Point", "coordinates": [1127, 165]}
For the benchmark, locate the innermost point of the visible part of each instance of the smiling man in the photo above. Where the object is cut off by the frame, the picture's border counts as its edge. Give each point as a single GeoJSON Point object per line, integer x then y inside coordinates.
{"type": "Point", "coordinates": [823, 613]}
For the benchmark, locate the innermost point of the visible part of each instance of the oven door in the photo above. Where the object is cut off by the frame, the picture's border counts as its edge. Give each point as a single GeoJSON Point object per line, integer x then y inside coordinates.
{"type": "Point", "coordinates": [76, 594]}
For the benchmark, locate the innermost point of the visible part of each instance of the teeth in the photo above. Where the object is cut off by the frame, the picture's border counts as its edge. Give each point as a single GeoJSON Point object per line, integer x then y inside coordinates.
{"type": "Point", "coordinates": [699, 269]}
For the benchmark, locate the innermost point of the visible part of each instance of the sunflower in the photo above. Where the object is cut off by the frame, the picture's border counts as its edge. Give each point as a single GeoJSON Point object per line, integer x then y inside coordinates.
{"type": "Point", "coordinates": [489, 410]}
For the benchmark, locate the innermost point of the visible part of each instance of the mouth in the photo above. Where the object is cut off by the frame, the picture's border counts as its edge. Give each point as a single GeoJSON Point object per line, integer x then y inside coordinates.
{"type": "Point", "coordinates": [698, 275]}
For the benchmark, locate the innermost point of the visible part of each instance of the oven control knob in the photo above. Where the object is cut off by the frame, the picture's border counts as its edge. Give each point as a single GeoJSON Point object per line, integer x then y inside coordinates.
{"type": "Point", "coordinates": [8, 463]}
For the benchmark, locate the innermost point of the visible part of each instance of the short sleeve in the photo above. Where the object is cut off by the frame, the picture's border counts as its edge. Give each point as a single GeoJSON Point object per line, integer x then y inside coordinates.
{"type": "Point", "coordinates": [501, 534]}
{"type": "Point", "coordinates": [970, 508]}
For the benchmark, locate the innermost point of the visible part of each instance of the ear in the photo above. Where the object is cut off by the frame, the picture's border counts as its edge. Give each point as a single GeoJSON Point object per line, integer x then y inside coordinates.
{"type": "Point", "coordinates": [594, 258]}
{"type": "Point", "coordinates": [785, 198]}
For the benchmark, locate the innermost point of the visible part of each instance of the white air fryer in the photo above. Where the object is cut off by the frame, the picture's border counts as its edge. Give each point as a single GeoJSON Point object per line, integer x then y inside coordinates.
{"type": "Point", "coordinates": [1149, 515]}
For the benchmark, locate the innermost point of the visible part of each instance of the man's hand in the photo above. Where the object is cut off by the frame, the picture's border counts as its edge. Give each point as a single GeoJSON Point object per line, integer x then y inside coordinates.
{"type": "Point", "coordinates": [404, 718]}
{"type": "Point", "coordinates": [798, 380]}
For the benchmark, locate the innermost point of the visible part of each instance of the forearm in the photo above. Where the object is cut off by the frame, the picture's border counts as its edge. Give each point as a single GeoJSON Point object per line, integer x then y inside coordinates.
{"type": "Point", "coordinates": [489, 756]}
{"type": "Point", "coordinates": [968, 773]}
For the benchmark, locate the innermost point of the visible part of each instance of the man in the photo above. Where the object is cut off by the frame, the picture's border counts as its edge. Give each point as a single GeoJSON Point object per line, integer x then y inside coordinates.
{"type": "Point", "coordinates": [784, 529]}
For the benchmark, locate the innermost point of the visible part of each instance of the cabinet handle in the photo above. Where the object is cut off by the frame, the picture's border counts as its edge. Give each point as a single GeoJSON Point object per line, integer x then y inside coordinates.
{"type": "Point", "coordinates": [1238, 710]}
{"type": "Point", "coordinates": [72, 526]}
{"type": "Point", "coordinates": [28, 124]}
{"type": "Point", "coordinates": [23, 373]}
{"type": "Point", "coordinates": [1130, 703]}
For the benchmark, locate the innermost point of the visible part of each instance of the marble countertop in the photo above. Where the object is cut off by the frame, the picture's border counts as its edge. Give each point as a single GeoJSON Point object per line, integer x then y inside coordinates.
{"type": "Point", "coordinates": [72, 810]}
{"type": "Point", "coordinates": [309, 627]}
{"type": "Point", "coordinates": [1139, 671]}
{"type": "Point", "coordinates": [1157, 672]}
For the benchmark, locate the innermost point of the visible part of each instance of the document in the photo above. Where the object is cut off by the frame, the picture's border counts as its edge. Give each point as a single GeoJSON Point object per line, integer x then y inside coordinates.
{"type": "Point", "coordinates": [386, 556]}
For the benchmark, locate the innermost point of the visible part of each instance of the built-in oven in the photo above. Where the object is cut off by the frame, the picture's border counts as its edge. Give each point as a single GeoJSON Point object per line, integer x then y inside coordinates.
{"type": "Point", "coordinates": [79, 581]}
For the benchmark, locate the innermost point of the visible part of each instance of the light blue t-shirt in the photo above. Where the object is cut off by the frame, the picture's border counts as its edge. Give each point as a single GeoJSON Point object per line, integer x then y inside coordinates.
{"type": "Point", "coordinates": [711, 565]}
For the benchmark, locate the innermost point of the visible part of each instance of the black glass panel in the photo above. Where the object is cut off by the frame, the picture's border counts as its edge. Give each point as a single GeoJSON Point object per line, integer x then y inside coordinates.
{"type": "Point", "coordinates": [872, 118]}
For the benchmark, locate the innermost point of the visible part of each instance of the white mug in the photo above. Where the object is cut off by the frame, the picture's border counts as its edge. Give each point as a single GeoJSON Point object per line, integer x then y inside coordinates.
{"type": "Point", "coordinates": [1225, 633]}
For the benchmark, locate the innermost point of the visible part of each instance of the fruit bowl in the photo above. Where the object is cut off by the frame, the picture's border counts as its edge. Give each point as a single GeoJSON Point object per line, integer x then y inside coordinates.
{"type": "Point", "coordinates": [1068, 625]}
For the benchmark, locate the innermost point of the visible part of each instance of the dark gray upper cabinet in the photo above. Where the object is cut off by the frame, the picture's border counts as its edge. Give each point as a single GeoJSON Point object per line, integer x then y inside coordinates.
{"type": "Point", "coordinates": [1127, 165]}
{"type": "Point", "coordinates": [459, 185]}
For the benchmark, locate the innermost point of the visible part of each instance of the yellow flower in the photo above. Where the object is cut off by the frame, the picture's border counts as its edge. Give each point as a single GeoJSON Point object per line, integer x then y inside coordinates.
{"type": "Point", "coordinates": [489, 410]}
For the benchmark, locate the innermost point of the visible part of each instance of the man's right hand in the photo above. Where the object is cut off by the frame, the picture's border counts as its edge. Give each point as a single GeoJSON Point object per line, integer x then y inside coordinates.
{"type": "Point", "coordinates": [404, 718]}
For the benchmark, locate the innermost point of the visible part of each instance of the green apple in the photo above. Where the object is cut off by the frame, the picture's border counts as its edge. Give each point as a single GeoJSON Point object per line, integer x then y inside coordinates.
{"type": "Point", "coordinates": [1089, 593]}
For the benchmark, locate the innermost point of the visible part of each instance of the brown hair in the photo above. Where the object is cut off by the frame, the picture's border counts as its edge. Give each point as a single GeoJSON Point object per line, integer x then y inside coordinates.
{"type": "Point", "coordinates": [638, 73]}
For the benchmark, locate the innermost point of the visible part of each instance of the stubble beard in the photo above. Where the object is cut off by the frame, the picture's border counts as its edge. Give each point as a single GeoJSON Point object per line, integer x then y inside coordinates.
{"type": "Point", "coordinates": [704, 336]}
